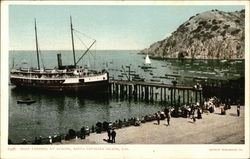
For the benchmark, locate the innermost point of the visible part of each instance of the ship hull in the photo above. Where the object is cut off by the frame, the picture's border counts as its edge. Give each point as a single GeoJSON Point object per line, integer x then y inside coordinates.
{"type": "Point", "coordinates": [59, 86]}
{"type": "Point", "coordinates": [83, 88]}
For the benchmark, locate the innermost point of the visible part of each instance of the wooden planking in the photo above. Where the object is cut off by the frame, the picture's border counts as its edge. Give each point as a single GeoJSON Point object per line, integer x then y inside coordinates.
{"type": "Point", "coordinates": [153, 85]}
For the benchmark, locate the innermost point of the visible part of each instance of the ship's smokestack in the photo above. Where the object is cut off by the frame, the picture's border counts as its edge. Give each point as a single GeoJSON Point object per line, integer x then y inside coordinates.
{"type": "Point", "coordinates": [59, 60]}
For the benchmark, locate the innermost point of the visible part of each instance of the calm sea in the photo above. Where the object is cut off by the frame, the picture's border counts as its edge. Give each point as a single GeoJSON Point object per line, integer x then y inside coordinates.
{"type": "Point", "coordinates": [56, 113]}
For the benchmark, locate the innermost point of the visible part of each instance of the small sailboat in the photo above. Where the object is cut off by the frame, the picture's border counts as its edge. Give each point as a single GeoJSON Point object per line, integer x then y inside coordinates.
{"type": "Point", "coordinates": [147, 63]}
{"type": "Point", "coordinates": [147, 60]}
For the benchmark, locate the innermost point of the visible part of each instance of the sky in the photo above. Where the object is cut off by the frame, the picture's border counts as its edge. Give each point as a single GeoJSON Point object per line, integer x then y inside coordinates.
{"type": "Point", "coordinates": [114, 27]}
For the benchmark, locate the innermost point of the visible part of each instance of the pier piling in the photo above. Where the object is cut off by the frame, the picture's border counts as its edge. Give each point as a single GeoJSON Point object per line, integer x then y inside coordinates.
{"type": "Point", "coordinates": [175, 95]}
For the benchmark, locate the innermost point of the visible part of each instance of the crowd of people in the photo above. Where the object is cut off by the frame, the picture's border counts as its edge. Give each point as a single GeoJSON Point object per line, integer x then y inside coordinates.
{"type": "Point", "coordinates": [193, 111]}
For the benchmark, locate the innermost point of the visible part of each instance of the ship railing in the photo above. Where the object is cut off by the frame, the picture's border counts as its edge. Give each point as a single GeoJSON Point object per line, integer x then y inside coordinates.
{"type": "Point", "coordinates": [51, 71]}
{"type": "Point", "coordinates": [31, 76]}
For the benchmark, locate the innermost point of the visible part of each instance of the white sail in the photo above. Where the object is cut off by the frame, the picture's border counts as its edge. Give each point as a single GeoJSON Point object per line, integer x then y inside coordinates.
{"type": "Point", "coordinates": [147, 60]}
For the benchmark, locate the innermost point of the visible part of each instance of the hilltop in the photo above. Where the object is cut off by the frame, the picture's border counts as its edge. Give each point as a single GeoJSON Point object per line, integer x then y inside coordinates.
{"type": "Point", "coordinates": [209, 35]}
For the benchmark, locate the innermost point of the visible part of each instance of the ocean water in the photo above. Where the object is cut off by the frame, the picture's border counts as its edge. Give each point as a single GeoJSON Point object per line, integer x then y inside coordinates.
{"type": "Point", "coordinates": [56, 113]}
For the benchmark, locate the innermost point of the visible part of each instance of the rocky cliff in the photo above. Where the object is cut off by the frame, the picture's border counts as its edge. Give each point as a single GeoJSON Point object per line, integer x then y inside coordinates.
{"type": "Point", "coordinates": [209, 35]}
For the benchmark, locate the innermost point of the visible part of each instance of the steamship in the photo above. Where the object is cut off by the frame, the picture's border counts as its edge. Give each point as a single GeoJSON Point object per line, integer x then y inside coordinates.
{"type": "Point", "coordinates": [63, 78]}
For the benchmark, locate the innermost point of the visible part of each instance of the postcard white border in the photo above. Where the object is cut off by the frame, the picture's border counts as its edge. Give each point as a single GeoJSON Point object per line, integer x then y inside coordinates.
{"type": "Point", "coordinates": [135, 151]}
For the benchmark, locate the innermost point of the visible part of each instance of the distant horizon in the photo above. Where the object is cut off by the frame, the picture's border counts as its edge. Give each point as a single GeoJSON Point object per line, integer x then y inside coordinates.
{"type": "Point", "coordinates": [118, 27]}
{"type": "Point", "coordinates": [84, 50]}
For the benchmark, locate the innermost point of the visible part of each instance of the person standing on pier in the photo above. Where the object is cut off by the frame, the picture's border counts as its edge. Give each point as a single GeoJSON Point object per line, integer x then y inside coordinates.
{"type": "Point", "coordinates": [193, 117]}
{"type": "Point", "coordinates": [223, 111]}
{"type": "Point", "coordinates": [109, 135]}
{"type": "Point", "coordinates": [199, 113]}
{"type": "Point", "coordinates": [168, 118]}
{"type": "Point", "coordinates": [50, 140]}
{"type": "Point", "coordinates": [158, 117]}
{"type": "Point", "coordinates": [189, 111]}
{"type": "Point", "coordinates": [24, 141]}
{"type": "Point", "coordinates": [40, 140]}
{"type": "Point", "coordinates": [238, 110]}
{"type": "Point", "coordinates": [83, 133]}
{"type": "Point", "coordinates": [113, 134]}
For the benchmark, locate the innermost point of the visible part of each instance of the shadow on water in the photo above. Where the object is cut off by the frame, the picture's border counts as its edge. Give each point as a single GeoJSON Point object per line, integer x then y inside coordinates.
{"type": "Point", "coordinates": [59, 98]}
{"type": "Point", "coordinates": [26, 93]}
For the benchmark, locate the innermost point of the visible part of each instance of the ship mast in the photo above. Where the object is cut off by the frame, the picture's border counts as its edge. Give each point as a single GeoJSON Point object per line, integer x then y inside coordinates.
{"type": "Point", "coordinates": [72, 37]}
{"type": "Point", "coordinates": [37, 53]}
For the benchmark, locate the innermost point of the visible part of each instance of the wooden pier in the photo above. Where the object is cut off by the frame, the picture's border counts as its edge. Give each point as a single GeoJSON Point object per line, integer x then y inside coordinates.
{"type": "Point", "coordinates": [174, 94]}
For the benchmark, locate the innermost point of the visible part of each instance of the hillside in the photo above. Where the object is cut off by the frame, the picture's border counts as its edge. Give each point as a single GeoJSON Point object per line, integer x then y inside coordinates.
{"type": "Point", "coordinates": [209, 35]}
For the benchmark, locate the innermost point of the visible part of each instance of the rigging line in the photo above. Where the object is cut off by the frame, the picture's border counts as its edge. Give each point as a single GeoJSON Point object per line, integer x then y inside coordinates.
{"type": "Point", "coordinates": [83, 34]}
{"type": "Point", "coordinates": [42, 59]}
{"type": "Point", "coordinates": [86, 51]}
{"type": "Point", "coordinates": [83, 44]}
{"type": "Point", "coordinates": [91, 56]}
{"type": "Point", "coordinates": [41, 55]}
{"type": "Point", "coordinates": [81, 41]}
{"type": "Point", "coordinates": [94, 56]}
{"type": "Point", "coordinates": [90, 52]}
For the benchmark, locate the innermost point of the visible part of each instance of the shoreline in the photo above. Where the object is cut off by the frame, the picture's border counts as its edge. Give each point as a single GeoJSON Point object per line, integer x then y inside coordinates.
{"type": "Point", "coordinates": [151, 56]}
{"type": "Point", "coordinates": [213, 128]}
